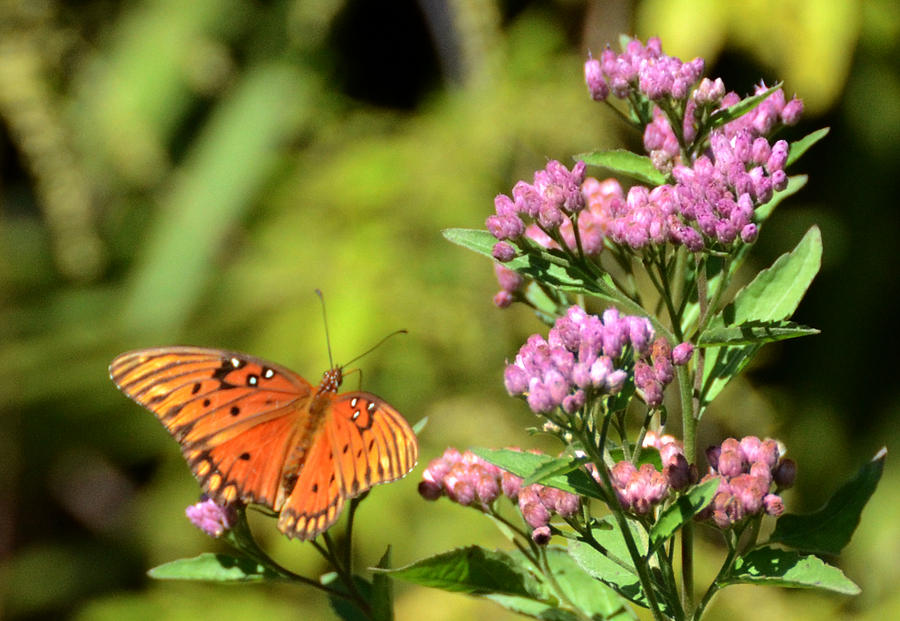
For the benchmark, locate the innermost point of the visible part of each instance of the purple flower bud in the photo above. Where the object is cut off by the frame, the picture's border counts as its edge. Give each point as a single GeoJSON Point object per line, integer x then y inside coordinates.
{"type": "Point", "coordinates": [785, 473]}
{"type": "Point", "coordinates": [779, 180]}
{"type": "Point", "coordinates": [792, 111]}
{"type": "Point", "coordinates": [486, 487]}
{"type": "Point", "coordinates": [712, 456]}
{"type": "Point", "coordinates": [511, 484]}
{"type": "Point", "coordinates": [749, 233]}
{"type": "Point", "coordinates": [503, 252]}
{"type": "Point", "coordinates": [678, 472]}
{"type": "Point", "coordinates": [429, 490]}
{"type": "Point", "coordinates": [621, 473]}
{"type": "Point", "coordinates": [211, 518]}
{"type": "Point", "coordinates": [615, 381]}
{"type": "Point", "coordinates": [774, 505]}
{"type": "Point", "coordinates": [761, 471]}
{"type": "Point", "coordinates": [541, 535]}
{"type": "Point", "coordinates": [540, 400]}
{"type": "Point", "coordinates": [574, 402]}
{"type": "Point", "coordinates": [533, 510]}
{"type": "Point", "coordinates": [778, 157]}
{"type": "Point", "coordinates": [682, 353]}
{"type": "Point", "coordinates": [503, 299]}
{"type": "Point", "coordinates": [730, 463]}
{"type": "Point", "coordinates": [504, 205]}
{"type": "Point", "coordinates": [593, 76]}
{"type": "Point", "coordinates": [462, 492]}
{"type": "Point", "coordinates": [515, 379]}
{"type": "Point", "coordinates": [749, 448]}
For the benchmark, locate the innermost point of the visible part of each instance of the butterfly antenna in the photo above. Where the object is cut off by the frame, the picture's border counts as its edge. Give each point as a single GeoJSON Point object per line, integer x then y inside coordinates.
{"type": "Point", "coordinates": [375, 346]}
{"type": "Point", "coordinates": [327, 337]}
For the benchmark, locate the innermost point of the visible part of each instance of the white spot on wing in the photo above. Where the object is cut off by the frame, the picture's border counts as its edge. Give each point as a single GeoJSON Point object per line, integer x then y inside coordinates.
{"type": "Point", "coordinates": [354, 401]}
{"type": "Point", "coordinates": [235, 362]}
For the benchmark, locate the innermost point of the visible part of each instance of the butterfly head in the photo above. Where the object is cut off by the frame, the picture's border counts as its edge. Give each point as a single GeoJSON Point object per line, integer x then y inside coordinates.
{"type": "Point", "coordinates": [331, 380]}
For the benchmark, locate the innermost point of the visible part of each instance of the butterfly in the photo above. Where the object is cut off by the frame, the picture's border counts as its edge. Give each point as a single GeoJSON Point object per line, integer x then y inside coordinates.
{"type": "Point", "coordinates": [256, 432]}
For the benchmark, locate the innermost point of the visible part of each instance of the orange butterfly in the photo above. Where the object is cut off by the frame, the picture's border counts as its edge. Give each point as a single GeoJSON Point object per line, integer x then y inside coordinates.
{"type": "Point", "coordinates": [259, 433]}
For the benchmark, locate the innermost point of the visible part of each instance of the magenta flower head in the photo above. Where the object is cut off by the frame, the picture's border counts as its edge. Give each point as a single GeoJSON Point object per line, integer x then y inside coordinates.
{"type": "Point", "coordinates": [212, 519]}
{"type": "Point", "coordinates": [580, 356]}
{"type": "Point", "coordinates": [746, 469]}
{"type": "Point", "coordinates": [593, 77]}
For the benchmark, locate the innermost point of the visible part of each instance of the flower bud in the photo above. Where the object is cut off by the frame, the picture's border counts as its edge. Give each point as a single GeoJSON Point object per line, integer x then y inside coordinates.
{"type": "Point", "coordinates": [541, 535]}
{"type": "Point", "coordinates": [681, 353]}
{"type": "Point", "coordinates": [785, 473]}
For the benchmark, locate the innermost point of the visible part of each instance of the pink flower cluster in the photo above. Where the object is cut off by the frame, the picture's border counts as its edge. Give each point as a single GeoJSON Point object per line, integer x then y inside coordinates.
{"type": "Point", "coordinates": [467, 479]}
{"type": "Point", "coordinates": [549, 202]}
{"type": "Point", "coordinates": [639, 490]}
{"type": "Point", "coordinates": [579, 358]}
{"type": "Point", "coordinates": [643, 69]}
{"type": "Point", "coordinates": [747, 469]}
{"type": "Point", "coordinates": [211, 518]}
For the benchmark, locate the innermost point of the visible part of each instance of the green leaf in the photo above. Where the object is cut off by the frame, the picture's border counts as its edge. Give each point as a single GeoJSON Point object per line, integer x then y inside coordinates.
{"type": "Point", "coordinates": [830, 528]}
{"type": "Point", "coordinates": [556, 467]}
{"type": "Point", "coordinates": [383, 591]}
{"type": "Point", "coordinates": [532, 608]}
{"type": "Point", "coordinates": [762, 213]}
{"type": "Point", "coordinates": [799, 147]}
{"type": "Point", "coordinates": [682, 510]}
{"type": "Point", "coordinates": [773, 295]}
{"type": "Point", "coordinates": [626, 163]}
{"type": "Point", "coordinates": [344, 608]}
{"type": "Point", "coordinates": [213, 568]}
{"type": "Point", "coordinates": [776, 292]}
{"type": "Point", "coordinates": [550, 267]}
{"type": "Point", "coordinates": [593, 598]}
{"type": "Point", "coordinates": [473, 570]}
{"type": "Point", "coordinates": [420, 425]}
{"type": "Point", "coordinates": [753, 332]}
{"type": "Point", "coordinates": [787, 568]}
{"type": "Point", "coordinates": [606, 558]}
{"type": "Point", "coordinates": [721, 117]}
{"type": "Point", "coordinates": [524, 465]}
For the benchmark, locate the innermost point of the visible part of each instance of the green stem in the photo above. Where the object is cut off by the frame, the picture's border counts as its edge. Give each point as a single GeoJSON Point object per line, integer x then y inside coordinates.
{"type": "Point", "coordinates": [715, 585]}
{"type": "Point", "coordinates": [636, 558]}
{"type": "Point", "coordinates": [241, 538]}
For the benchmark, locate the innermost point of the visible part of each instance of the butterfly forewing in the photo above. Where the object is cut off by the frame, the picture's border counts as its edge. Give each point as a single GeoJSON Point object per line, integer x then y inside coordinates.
{"type": "Point", "coordinates": [234, 416]}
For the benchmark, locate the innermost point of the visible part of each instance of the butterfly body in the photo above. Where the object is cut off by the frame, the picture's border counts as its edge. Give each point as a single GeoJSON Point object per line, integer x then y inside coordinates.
{"type": "Point", "coordinates": [255, 432]}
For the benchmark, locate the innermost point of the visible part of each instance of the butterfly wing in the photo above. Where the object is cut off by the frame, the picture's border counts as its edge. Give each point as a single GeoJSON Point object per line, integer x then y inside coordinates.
{"type": "Point", "coordinates": [236, 417]}
{"type": "Point", "coordinates": [363, 442]}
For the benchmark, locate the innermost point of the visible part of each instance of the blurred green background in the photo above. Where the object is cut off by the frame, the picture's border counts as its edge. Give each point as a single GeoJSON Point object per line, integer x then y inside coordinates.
{"type": "Point", "coordinates": [188, 172]}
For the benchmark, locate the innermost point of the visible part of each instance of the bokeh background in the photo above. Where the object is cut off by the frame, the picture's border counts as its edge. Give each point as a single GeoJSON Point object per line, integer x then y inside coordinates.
{"type": "Point", "coordinates": [189, 172]}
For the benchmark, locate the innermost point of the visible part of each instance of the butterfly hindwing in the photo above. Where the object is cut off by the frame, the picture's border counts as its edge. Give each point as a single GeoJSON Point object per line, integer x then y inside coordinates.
{"type": "Point", "coordinates": [364, 441]}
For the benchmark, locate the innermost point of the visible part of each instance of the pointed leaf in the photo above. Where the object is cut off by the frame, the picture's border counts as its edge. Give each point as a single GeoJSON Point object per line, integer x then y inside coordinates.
{"type": "Point", "coordinates": [776, 291]}
{"type": "Point", "coordinates": [593, 598]}
{"type": "Point", "coordinates": [830, 528]}
{"type": "Point", "coordinates": [606, 558]}
{"type": "Point", "coordinates": [681, 511]}
{"type": "Point", "coordinates": [550, 267]}
{"type": "Point", "coordinates": [342, 607]}
{"type": "Point", "coordinates": [787, 568]}
{"type": "Point", "coordinates": [524, 465]}
{"type": "Point", "coordinates": [721, 117]}
{"type": "Point", "coordinates": [473, 570]}
{"type": "Point", "coordinates": [383, 591]}
{"type": "Point", "coordinates": [213, 568]}
{"type": "Point", "coordinates": [754, 332]}
{"type": "Point", "coordinates": [773, 295]}
{"type": "Point", "coordinates": [799, 147]}
{"type": "Point", "coordinates": [556, 467]}
{"type": "Point", "coordinates": [420, 425]}
{"type": "Point", "coordinates": [532, 608]}
{"type": "Point", "coordinates": [626, 163]}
